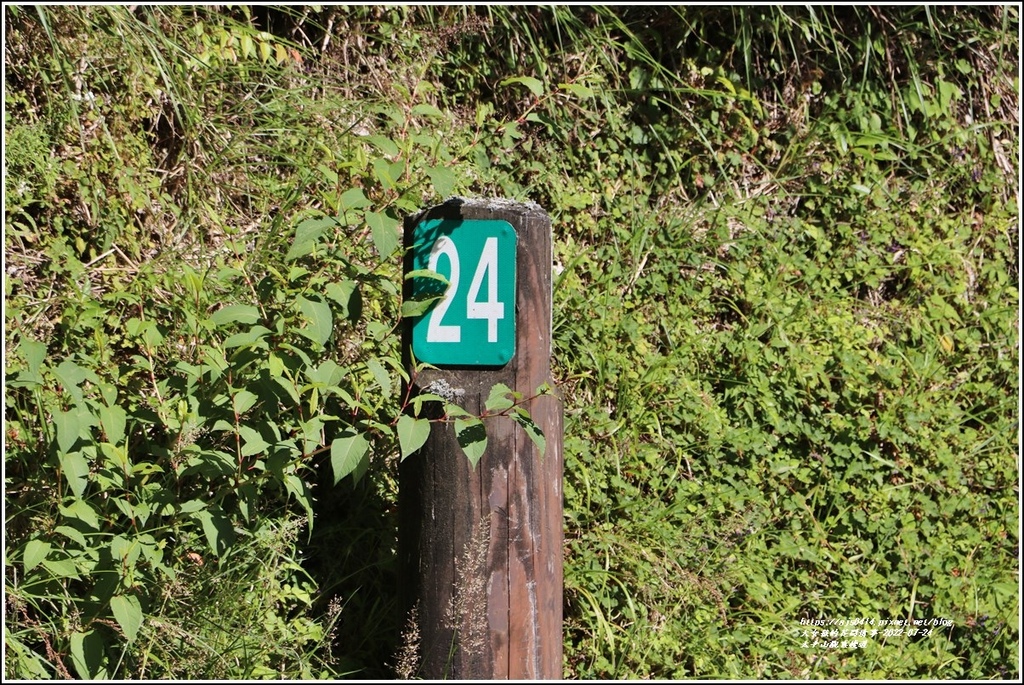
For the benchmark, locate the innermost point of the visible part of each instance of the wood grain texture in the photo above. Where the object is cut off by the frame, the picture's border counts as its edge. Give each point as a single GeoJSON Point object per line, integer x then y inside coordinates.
{"type": "Point", "coordinates": [481, 549]}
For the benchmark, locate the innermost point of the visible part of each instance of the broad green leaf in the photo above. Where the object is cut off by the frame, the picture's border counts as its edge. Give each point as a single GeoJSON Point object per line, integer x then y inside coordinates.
{"type": "Point", "coordinates": [87, 653]}
{"type": "Point", "coordinates": [113, 419]}
{"type": "Point", "coordinates": [72, 534]}
{"type": "Point", "coordinates": [353, 198]}
{"type": "Point", "coordinates": [145, 469]}
{"type": "Point", "coordinates": [128, 613]}
{"type": "Point", "coordinates": [384, 144]}
{"type": "Point", "coordinates": [213, 463]}
{"type": "Point", "coordinates": [346, 294]}
{"type": "Point", "coordinates": [427, 273]}
{"type": "Point", "coordinates": [83, 511]}
{"type": "Point", "coordinates": [472, 438]}
{"type": "Point", "coordinates": [191, 506]}
{"type": "Point", "coordinates": [296, 272]}
{"type": "Point", "coordinates": [411, 308]}
{"type": "Point", "coordinates": [246, 498]}
{"type": "Point", "coordinates": [76, 469]}
{"type": "Point", "coordinates": [361, 468]}
{"type": "Point", "coordinates": [535, 85]}
{"type": "Point", "coordinates": [246, 45]}
{"type": "Point", "coordinates": [235, 313]}
{"type": "Point", "coordinates": [251, 337]}
{"type": "Point", "coordinates": [69, 428]}
{"type": "Point", "coordinates": [424, 109]}
{"type": "Point", "coordinates": [412, 433]}
{"type": "Point", "coordinates": [152, 336]}
{"type": "Point", "coordinates": [501, 398]}
{"type": "Point", "coordinates": [428, 286]}
{"type": "Point", "coordinates": [306, 235]}
{"type": "Point", "coordinates": [577, 89]}
{"type": "Point", "coordinates": [24, 379]}
{"type": "Point", "coordinates": [312, 434]}
{"type": "Point", "coordinates": [523, 418]}
{"type": "Point", "coordinates": [385, 232]}
{"type": "Point", "coordinates": [35, 552]}
{"type": "Point", "coordinates": [327, 374]}
{"type": "Point", "coordinates": [118, 455]}
{"type": "Point", "coordinates": [70, 375]}
{"type": "Point", "coordinates": [382, 172]}
{"type": "Point", "coordinates": [124, 550]}
{"type": "Point", "coordinates": [35, 354]}
{"type": "Point", "coordinates": [124, 506]}
{"type": "Point", "coordinates": [108, 393]}
{"type": "Point", "coordinates": [380, 374]}
{"type": "Point", "coordinates": [397, 170]}
{"type": "Point", "coordinates": [242, 401]}
{"type": "Point", "coordinates": [443, 180]}
{"type": "Point", "coordinates": [321, 322]}
{"type": "Point", "coordinates": [220, 534]}
{"type": "Point", "coordinates": [289, 387]}
{"type": "Point", "coordinates": [455, 411]}
{"type": "Point", "coordinates": [61, 568]}
{"type": "Point", "coordinates": [253, 441]}
{"type": "Point", "coordinates": [275, 365]}
{"type": "Point", "coordinates": [214, 361]}
{"type": "Point", "coordinates": [347, 450]}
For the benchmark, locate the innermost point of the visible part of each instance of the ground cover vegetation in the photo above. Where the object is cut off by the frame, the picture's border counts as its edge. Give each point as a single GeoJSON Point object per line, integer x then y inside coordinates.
{"type": "Point", "coordinates": [786, 328]}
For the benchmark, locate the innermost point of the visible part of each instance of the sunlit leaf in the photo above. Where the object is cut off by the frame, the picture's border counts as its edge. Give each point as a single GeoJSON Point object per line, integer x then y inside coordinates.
{"type": "Point", "coordinates": [472, 438]}
{"type": "Point", "coordinates": [68, 429]}
{"type": "Point", "coordinates": [235, 313]}
{"type": "Point", "coordinates": [347, 451]}
{"type": "Point", "coordinates": [523, 418]}
{"type": "Point", "coordinates": [76, 470]}
{"type": "Point", "coordinates": [535, 85]}
{"type": "Point", "coordinates": [35, 552]}
{"type": "Point", "coordinates": [500, 399]}
{"type": "Point", "coordinates": [384, 230]}
{"type": "Point", "coordinates": [412, 433]}
{"type": "Point", "coordinates": [321, 321]}
{"type": "Point", "coordinates": [128, 613]}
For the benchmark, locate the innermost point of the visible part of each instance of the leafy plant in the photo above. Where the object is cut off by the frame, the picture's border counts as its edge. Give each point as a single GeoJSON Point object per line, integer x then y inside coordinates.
{"type": "Point", "coordinates": [786, 280]}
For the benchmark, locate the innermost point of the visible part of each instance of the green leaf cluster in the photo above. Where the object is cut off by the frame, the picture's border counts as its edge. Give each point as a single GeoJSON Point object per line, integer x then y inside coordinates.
{"type": "Point", "coordinates": [785, 328]}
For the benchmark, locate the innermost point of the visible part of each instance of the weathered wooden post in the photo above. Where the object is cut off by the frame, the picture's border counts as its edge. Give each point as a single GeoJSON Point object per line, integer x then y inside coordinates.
{"type": "Point", "coordinates": [481, 548]}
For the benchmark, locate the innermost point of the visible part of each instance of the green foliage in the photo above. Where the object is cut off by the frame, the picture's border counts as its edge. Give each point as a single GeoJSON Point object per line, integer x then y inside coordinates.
{"type": "Point", "coordinates": [179, 383]}
{"type": "Point", "coordinates": [784, 328]}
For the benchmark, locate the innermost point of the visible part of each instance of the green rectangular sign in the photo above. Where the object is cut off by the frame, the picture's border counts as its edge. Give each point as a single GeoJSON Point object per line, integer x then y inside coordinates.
{"type": "Point", "coordinates": [472, 321]}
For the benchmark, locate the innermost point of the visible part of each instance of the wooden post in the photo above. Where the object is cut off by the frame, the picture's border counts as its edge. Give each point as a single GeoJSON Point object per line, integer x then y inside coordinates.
{"type": "Point", "coordinates": [481, 548]}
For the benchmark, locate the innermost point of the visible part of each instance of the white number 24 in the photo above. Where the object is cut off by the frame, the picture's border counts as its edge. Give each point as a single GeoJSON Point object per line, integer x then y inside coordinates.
{"type": "Point", "coordinates": [491, 310]}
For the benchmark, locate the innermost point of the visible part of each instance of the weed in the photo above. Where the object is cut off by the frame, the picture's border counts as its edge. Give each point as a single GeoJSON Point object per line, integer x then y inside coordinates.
{"type": "Point", "coordinates": [785, 328]}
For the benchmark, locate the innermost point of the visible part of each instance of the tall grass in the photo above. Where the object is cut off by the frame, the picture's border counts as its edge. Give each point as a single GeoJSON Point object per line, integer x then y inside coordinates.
{"type": "Point", "coordinates": [785, 328]}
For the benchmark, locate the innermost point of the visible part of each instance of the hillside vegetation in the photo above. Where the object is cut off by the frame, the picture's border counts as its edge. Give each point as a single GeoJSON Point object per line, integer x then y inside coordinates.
{"type": "Point", "coordinates": [786, 329]}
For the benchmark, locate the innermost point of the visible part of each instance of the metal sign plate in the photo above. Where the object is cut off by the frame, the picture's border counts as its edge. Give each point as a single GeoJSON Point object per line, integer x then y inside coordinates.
{"type": "Point", "coordinates": [474, 322]}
